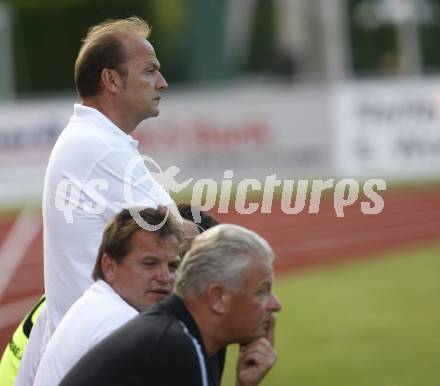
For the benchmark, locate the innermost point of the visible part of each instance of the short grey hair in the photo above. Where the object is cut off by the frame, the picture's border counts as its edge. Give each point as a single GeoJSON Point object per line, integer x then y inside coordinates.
{"type": "Point", "coordinates": [219, 255]}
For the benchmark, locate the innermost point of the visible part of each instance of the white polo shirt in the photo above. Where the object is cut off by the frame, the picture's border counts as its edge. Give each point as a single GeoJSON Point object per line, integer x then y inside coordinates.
{"type": "Point", "coordinates": [94, 170]}
{"type": "Point", "coordinates": [92, 317]}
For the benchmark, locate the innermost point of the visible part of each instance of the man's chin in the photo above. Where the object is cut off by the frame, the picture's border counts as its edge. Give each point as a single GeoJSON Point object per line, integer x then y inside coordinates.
{"type": "Point", "coordinates": [154, 297]}
{"type": "Point", "coordinates": [155, 112]}
{"type": "Point", "coordinates": [252, 337]}
{"type": "Point", "coordinates": [150, 114]}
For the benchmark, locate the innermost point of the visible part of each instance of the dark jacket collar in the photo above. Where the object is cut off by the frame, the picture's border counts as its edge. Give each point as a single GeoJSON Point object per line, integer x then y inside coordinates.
{"type": "Point", "coordinates": [176, 304]}
{"type": "Point", "coordinates": [215, 364]}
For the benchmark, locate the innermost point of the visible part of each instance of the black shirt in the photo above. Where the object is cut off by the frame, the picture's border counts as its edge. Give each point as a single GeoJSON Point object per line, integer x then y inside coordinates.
{"type": "Point", "coordinates": [160, 347]}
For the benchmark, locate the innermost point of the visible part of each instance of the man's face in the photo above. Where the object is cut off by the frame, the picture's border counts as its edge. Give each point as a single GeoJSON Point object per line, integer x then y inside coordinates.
{"type": "Point", "coordinates": [252, 307]}
{"type": "Point", "coordinates": [146, 275]}
{"type": "Point", "coordinates": [144, 82]}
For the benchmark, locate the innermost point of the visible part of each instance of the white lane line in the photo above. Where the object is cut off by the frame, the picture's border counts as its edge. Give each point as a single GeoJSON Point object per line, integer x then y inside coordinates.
{"type": "Point", "coordinates": [12, 313]}
{"type": "Point", "coordinates": [17, 242]}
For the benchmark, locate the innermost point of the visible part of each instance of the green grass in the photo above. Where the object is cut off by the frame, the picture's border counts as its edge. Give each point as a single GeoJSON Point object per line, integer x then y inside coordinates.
{"type": "Point", "coordinates": [368, 323]}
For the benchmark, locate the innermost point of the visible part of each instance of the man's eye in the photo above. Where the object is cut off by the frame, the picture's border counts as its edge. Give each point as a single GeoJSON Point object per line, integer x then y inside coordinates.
{"type": "Point", "coordinates": [263, 291]}
{"type": "Point", "coordinates": [173, 267]}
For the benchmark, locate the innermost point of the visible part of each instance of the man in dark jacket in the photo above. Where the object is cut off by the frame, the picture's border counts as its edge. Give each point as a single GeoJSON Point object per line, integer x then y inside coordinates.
{"type": "Point", "coordinates": [223, 295]}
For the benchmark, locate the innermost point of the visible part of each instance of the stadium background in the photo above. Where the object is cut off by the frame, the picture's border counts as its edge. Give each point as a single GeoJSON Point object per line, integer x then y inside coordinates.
{"type": "Point", "coordinates": [297, 88]}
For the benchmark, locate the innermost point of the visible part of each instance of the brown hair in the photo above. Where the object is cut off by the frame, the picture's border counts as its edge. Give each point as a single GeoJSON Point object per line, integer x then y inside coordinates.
{"type": "Point", "coordinates": [116, 241]}
{"type": "Point", "coordinates": [102, 48]}
{"type": "Point", "coordinates": [206, 220]}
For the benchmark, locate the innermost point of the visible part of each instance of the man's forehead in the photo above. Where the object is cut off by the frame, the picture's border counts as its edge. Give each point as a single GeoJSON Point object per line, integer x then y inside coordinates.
{"type": "Point", "coordinates": [147, 239]}
{"type": "Point", "coordinates": [136, 45]}
{"type": "Point", "coordinates": [152, 59]}
{"type": "Point", "coordinates": [260, 270]}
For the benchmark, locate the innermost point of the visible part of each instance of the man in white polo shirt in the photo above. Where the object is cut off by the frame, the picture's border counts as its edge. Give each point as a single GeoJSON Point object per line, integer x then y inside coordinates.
{"type": "Point", "coordinates": [95, 168]}
{"type": "Point", "coordinates": [134, 269]}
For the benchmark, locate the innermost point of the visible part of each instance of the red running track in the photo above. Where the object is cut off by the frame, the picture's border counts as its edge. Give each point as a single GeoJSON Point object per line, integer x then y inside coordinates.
{"type": "Point", "coordinates": [409, 218]}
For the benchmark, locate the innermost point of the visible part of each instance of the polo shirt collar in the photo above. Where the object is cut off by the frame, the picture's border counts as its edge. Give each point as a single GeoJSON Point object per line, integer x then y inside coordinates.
{"type": "Point", "coordinates": [91, 114]}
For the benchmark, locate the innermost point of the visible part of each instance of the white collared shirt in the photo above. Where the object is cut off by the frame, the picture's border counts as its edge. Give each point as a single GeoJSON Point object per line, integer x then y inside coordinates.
{"type": "Point", "coordinates": [86, 185]}
{"type": "Point", "coordinates": [92, 317]}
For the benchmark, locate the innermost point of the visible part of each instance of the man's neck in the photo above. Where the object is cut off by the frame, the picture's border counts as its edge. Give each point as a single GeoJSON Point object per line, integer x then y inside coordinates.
{"type": "Point", "coordinates": [208, 329]}
{"type": "Point", "coordinates": [106, 108]}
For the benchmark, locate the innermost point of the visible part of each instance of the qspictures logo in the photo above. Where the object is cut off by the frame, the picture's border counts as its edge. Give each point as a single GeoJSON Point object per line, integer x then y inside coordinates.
{"type": "Point", "coordinates": [297, 196]}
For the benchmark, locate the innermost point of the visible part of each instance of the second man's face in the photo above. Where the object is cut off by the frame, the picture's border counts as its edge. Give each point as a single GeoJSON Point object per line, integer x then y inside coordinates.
{"type": "Point", "coordinates": [146, 275]}
{"type": "Point", "coordinates": [252, 307]}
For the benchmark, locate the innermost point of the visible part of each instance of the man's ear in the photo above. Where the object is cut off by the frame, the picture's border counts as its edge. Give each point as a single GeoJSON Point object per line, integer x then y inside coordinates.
{"type": "Point", "coordinates": [219, 298]}
{"type": "Point", "coordinates": [108, 267]}
{"type": "Point", "coordinates": [111, 80]}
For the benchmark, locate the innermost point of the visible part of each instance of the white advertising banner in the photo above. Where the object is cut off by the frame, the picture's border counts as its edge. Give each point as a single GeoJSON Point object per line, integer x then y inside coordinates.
{"type": "Point", "coordinates": [381, 129]}
{"type": "Point", "coordinates": [28, 131]}
{"type": "Point", "coordinates": [255, 131]}
{"type": "Point", "coordinates": [387, 129]}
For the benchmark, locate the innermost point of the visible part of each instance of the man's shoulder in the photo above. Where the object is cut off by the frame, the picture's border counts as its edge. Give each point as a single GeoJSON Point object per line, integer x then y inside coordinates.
{"type": "Point", "coordinates": [82, 150]}
{"type": "Point", "coordinates": [174, 341]}
{"type": "Point", "coordinates": [146, 347]}
{"type": "Point", "coordinates": [90, 131]}
{"type": "Point", "coordinates": [105, 304]}
{"type": "Point", "coordinates": [81, 135]}
{"type": "Point", "coordinates": [153, 323]}
{"type": "Point", "coordinates": [153, 329]}
{"type": "Point", "coordinates": [173, 347]}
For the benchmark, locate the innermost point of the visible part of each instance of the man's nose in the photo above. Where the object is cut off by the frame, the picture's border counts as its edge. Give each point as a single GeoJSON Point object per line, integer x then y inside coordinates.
{"type": "Point", "coordinates": [161, 83]}
{"type": "Point", "coordinates": [274, 304]}
{"type": "Point", "coordinates": [164, 275]}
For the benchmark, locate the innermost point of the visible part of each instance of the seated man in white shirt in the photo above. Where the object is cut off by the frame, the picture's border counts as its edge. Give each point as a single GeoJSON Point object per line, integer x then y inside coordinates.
{"type": "Point", "coordinates": [134, 269]}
